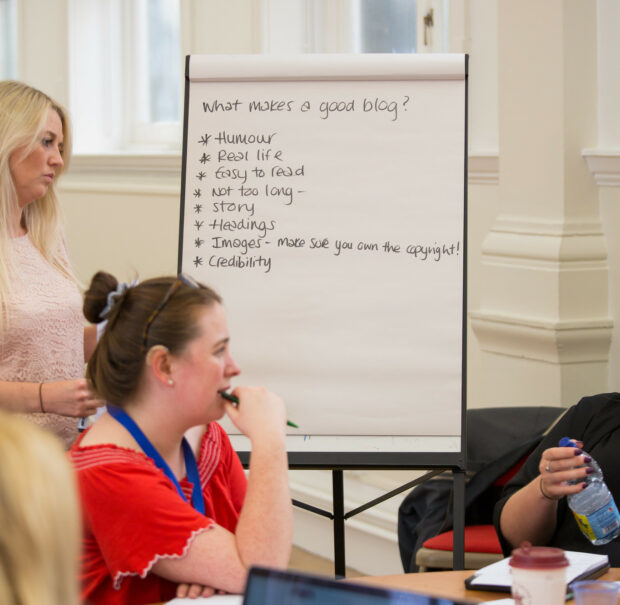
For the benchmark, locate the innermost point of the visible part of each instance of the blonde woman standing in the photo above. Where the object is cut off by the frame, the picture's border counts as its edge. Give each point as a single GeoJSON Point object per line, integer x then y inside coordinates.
{"type": "Point", "coordinates": [39, 517]}
{"type": "Point", "coordinates": [43, 340]}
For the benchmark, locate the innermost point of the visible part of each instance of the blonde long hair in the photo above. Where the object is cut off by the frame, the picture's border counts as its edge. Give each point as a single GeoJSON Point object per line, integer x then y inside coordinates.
{"type": "Point", "coordinates": [39, 517]}
{"type": "Point", "coordinates": [23, 114]}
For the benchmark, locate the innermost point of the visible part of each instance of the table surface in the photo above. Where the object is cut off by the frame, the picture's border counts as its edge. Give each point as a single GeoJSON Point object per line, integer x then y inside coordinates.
{"type": "Point", "coordinates": [449, 584]}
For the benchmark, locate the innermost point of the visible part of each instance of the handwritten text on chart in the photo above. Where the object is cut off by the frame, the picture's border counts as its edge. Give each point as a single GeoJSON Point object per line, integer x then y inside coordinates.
{"type": "Point", "coordinates": [243, 248]}
{"type": "Point", "coordinates": [244, 177]}
{"type": "Point", "coordinates": [324, 109]}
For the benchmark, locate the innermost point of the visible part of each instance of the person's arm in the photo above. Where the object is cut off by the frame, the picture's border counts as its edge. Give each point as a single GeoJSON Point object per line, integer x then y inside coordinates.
{"type": "Point", "coordinates": [220, 559]}
{"type": "Point", "coordinates": [265, 530]}
{"type": "Point", "coordinates": [530, 513]}
{"type": "Point", "coordinates": [65, 397]}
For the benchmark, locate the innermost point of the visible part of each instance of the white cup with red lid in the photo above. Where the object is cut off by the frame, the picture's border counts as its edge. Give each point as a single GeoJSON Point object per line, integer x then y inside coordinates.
{"type": "Point", "coordinates": [538, 575]}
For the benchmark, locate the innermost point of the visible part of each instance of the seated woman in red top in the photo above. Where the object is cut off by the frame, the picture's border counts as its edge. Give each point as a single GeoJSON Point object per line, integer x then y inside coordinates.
{"type": "Point", "coordinates": [166, 507]}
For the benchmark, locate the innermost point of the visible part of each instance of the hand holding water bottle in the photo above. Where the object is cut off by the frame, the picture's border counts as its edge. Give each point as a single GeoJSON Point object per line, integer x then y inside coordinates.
{"type": "Point", "coordinates": [593, 506]}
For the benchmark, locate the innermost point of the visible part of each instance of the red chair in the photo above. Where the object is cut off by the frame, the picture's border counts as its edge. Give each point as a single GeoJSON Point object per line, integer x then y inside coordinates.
{"type": "Point", "coordinates": [481, 548]}
{"type": "Point", "coordinates": [482, 545]}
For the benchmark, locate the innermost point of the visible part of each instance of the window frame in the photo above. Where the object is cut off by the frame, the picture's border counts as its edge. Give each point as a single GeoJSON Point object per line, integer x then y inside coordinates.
{"type": "Point", "coordinates": [104, 85]}
{"type": "Point", "coordinates": [330, 26]}
{"type": "Point", "coordinates": [139, 132]}
{"type": "Point", "coordinates": [8, 39]}
{"type": "Point", "coordinates": [105, 90]}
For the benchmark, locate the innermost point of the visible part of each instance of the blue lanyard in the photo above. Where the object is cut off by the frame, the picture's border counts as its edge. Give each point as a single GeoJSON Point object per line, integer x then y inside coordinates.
{"type": "Point", "coordinates": [191, 468]}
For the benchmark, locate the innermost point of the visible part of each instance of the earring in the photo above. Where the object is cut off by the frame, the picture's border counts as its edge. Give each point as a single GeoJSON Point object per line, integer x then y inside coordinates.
{"type": "Point", "coordinates": [170, 382]}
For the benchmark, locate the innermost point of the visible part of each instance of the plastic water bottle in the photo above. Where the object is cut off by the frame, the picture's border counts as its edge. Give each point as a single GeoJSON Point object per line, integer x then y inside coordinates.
{"type": "Point", "coordinates": [594, 507]}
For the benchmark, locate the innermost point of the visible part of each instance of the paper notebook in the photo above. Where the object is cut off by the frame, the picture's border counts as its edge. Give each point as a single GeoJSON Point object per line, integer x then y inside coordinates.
{"type": "Point", "coordinates": [497, 576]}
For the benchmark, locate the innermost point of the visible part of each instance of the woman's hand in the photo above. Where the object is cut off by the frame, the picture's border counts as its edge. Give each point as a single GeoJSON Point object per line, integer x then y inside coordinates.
{"type": "Point", "coordinates": [259, 413]}
{"type": "Point", "coordinates": [193, 591]}
{"type": "Point", "coordinates": [531, 512]}
{"type": "Point", "coordinates": [69, 398]}
{"type": "Point", "coordinates": [558, 466]}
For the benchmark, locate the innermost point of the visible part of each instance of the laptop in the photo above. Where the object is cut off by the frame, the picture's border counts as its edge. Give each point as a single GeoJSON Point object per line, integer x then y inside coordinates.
{"type": "Point", "coordinates": [266, 586]}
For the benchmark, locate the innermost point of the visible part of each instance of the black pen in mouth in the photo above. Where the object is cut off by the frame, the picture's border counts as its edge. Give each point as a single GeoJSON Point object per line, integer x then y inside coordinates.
{"type": "Point", "coordinates": [234, 400]}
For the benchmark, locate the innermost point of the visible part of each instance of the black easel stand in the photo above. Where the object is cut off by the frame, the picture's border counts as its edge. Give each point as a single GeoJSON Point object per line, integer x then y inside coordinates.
{"type": "Point", "coordinates": [339, 516]}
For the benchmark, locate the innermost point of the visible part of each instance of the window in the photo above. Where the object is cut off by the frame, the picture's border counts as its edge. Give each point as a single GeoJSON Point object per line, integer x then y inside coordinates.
{"type": "Point", "coordinates": [361, 26]}
{"type": "Point", "coordinates": [155, 87]}
{"type": "Point", "coordinates": [386, 26]}
{"type": "Point", "coordinates": [126, 64]}
{"type": "Point", "coordinates": [126, 83]}
{"type": "Point", "coordinates": [8, 39]}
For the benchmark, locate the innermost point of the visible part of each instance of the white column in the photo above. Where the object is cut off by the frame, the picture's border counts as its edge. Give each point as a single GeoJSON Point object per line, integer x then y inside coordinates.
{"type": "Point", "coordinates": [604, 159]}
{"type": "Point", "coordinates": [543, 318]}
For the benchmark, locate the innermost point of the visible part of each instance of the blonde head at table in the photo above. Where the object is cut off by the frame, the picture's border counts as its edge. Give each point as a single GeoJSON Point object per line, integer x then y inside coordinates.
{"type": "Point", "coordinates": [39, 517]}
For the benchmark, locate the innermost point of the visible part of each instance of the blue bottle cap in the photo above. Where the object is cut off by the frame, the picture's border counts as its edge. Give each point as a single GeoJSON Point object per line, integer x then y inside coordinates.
{"type": "Point", "coordinates": [566, 442]}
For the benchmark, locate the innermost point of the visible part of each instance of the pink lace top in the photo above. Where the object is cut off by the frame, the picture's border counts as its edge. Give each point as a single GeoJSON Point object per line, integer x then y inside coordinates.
{"type": "Point", "coordinates": [44, 338]}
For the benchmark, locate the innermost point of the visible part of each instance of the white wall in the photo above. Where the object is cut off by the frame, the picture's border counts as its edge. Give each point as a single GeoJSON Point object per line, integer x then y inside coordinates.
{"type": "Point", "coordinates": [122, 215]}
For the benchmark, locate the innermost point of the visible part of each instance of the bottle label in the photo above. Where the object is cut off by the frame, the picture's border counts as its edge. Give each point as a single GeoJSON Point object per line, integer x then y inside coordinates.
{"type": "Point", "coordinates": [600, 523]}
